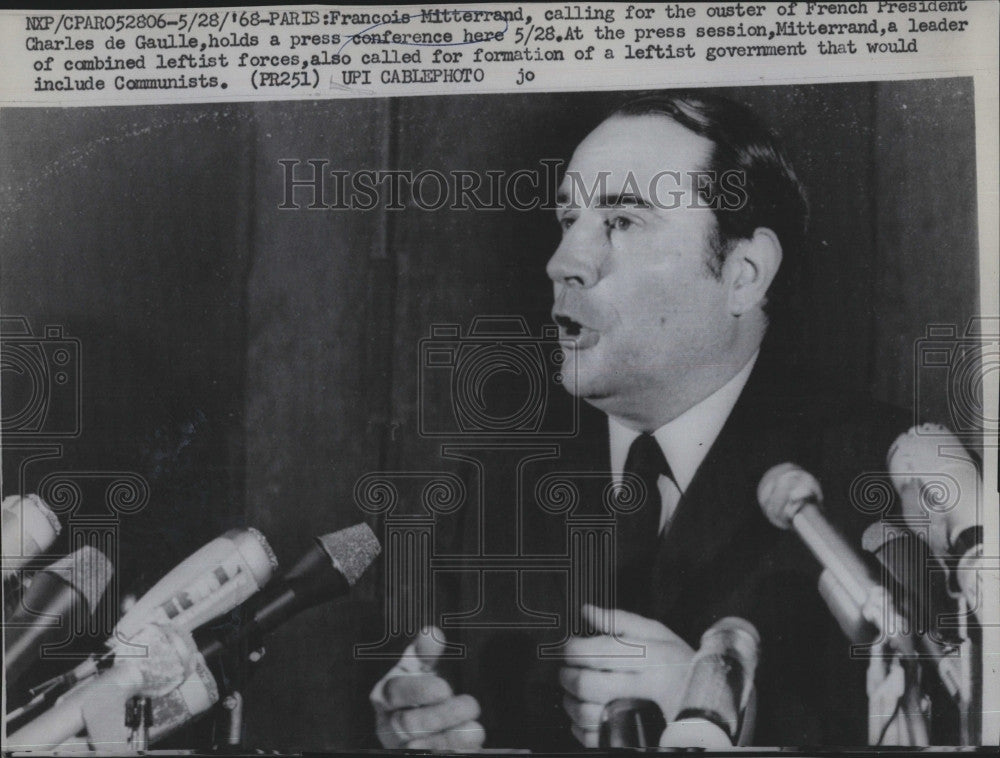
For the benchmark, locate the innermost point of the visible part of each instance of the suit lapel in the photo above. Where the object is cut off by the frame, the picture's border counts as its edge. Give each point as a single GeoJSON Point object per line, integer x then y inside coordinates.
{"type": "Point", "coordinates": [719, 511]}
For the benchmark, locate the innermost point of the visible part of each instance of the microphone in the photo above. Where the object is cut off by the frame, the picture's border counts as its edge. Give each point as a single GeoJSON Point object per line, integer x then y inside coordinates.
{"type": "Point", "coordinates": [167, 664]}
{"type": "Point", "coordinates": [212, 581]}
{"type": "Point", "coordinates": [924, 476]}
{"type": "Point", "coordinates": [845, 611]}
{"type": "Point", "coordinates": [791, 498]}
{"type": "Point", "coordinates": [630, 722]}
{"type": "Point", "coordinates": [926, 463]}
{"type": "Point", "coordinates": [916, 580]}
{"type": "Point", "coordinates": [29, 528]}
{"type": "Point", "coordinates": [325, 572]}
{"type": "Point", "coordinates": [905, 557]}
{"type": "Point", "coordinates": [105, 727]}
{"type": "Point", "coordinates": [69, 588]}
{"type": "Point", "coordinates": [714, 707]}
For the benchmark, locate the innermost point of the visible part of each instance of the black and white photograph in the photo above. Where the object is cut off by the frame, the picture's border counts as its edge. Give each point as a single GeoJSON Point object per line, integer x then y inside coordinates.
{"type": "Point", "coordinates": [541, 421]}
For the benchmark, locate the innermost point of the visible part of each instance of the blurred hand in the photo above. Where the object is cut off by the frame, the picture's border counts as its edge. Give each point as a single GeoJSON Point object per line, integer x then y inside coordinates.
{"type": "Point", "coordinates": [600, 669]}
{"type": "Point", "coordinates": [415, 708]}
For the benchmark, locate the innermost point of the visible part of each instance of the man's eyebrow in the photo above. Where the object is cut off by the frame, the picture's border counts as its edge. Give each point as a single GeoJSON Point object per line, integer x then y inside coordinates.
{"type": "Point", "coordinates": [562, 197]}
{"type": "Point", "coordinates": [623, 200]}
{"type": "Point", "coordinates": [626, 199]}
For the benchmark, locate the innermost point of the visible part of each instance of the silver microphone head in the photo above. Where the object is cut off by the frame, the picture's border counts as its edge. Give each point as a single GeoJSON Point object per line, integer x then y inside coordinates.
{"type": "Point", "coordinates": [783, 490]}
{"type": "Point", "coordinates": [352, 550]}
{"type": "Point", "coordinates": [256, 551]}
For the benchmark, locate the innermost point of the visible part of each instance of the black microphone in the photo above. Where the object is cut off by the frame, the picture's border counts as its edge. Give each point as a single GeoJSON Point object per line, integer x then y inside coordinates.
{"type": "Point", "coordinates": [325, 572]}
{"type": "Point", "coordinates": [69, 588]}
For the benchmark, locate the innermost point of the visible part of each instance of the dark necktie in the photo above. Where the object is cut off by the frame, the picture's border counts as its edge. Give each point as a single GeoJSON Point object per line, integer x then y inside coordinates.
{"type": "Point", "coordinates": [639, 531]}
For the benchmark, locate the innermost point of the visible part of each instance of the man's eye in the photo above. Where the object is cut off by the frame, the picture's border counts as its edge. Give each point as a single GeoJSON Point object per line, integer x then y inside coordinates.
{"type": "Point", "coordinates": [566, 222]}
{"type": "Point", "coordinates": [619, 223]}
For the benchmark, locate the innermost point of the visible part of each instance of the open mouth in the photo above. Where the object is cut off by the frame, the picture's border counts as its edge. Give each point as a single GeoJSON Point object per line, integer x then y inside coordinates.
{"type": "Point", "coordinates": [568, 326]}
{"type": "Point", "coordinates": [573, 334]}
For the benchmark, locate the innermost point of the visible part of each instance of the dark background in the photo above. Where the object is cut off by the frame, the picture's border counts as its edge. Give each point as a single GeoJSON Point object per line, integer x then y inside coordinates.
{"type": "Point", "coordinates": [252, 363]}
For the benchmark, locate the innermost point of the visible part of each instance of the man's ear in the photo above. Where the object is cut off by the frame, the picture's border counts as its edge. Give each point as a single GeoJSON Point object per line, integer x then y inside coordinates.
{"type": "Point", "coordinates": [753, 264]}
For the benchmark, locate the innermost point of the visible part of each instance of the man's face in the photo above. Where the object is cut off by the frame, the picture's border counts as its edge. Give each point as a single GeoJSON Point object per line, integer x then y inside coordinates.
{"type": "Point", "coordinates": [641, 318]}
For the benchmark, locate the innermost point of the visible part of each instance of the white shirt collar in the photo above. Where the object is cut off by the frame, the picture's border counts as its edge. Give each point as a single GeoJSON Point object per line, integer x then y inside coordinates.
{"type": "Point", "coordinates": [685, 440]}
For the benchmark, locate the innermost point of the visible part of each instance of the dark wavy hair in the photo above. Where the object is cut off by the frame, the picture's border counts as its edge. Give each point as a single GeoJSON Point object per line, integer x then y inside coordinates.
{"type": "Point", "coordinates": [775, 198]}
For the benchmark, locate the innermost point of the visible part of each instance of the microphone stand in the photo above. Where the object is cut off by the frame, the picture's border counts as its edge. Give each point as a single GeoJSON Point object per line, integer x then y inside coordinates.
{"type": "Point", "coordinates": [232, 672]}
{"type": "Point", "coordinates": [895, 698]}
{"type": "Point", "coordinates": [971, 688]}
{"type": "Point", "coordinates": [233, 703]}
{"type": "Point", "coordinates": [138, 718]}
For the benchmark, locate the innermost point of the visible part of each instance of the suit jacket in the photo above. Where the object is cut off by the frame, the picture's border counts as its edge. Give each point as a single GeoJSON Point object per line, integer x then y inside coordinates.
{"type": "Point", "coordinates": [720, 557]}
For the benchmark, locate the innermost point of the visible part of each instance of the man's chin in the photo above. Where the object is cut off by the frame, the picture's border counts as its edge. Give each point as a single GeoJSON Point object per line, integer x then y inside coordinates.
{"type": "Point", "coordinates": [583, 388]}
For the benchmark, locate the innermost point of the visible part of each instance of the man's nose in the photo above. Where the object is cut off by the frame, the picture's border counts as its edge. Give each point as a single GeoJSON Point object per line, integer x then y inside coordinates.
{"type": "Point", "coordinates": [576, 262]}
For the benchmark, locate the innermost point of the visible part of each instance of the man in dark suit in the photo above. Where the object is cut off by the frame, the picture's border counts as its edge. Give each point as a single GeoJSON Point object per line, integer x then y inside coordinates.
{"type": "Point", "coordinates": [681, 222]}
